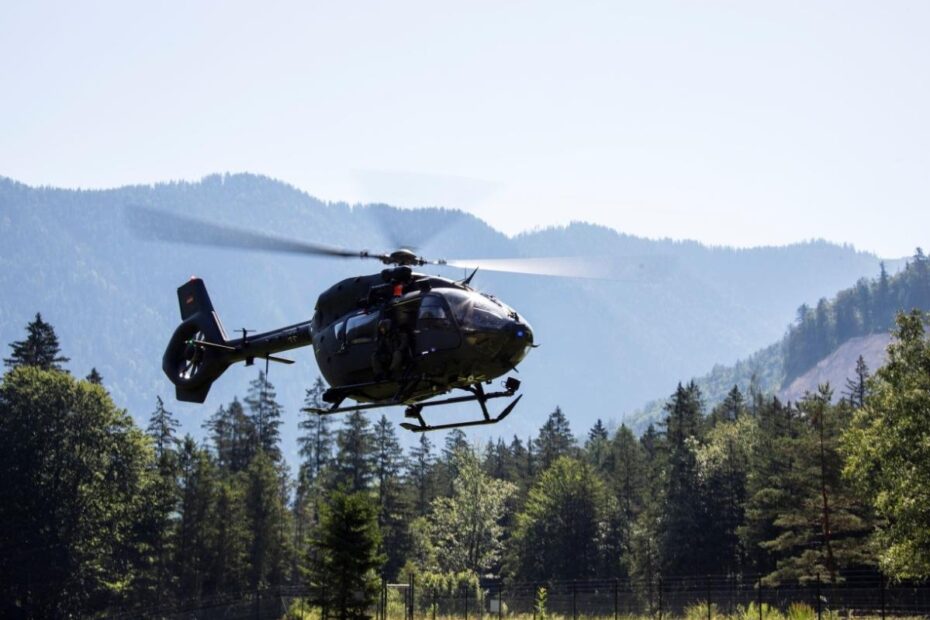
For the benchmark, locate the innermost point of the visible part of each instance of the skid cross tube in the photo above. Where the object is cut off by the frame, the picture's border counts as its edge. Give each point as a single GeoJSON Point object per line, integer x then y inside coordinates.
{"type": "Point", "coordinates": [476, 394]}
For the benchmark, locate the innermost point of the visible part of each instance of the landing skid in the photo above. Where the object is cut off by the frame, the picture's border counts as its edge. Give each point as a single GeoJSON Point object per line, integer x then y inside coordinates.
{"type": "Point", "coordinates": [476, 394]}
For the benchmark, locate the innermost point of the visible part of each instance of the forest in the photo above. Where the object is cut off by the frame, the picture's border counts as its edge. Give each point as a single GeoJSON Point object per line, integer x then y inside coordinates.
{"type": "Point", "coordinates": [866, 308]}
{"type": "Point", "coordinates": [101, 515]}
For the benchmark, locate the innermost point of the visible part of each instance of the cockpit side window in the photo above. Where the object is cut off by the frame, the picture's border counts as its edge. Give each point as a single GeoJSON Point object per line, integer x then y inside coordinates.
{"type": "Point", "coordinates": [433, 313]}
{"type": "Point", "coordinates": [339, 332]}
{"type": "Point", "coordinates": [361, 328]}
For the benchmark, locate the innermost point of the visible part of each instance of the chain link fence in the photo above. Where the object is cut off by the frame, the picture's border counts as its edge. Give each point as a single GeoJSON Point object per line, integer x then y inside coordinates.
{"type": "Point", "coordinates": [745, 597]}
{"type": "Point", "coordinates": [863, 594]}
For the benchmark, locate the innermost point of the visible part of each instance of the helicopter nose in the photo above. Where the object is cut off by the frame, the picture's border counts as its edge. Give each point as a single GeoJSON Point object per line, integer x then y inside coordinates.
{"type": "Point", "coordinates": [521, 340]}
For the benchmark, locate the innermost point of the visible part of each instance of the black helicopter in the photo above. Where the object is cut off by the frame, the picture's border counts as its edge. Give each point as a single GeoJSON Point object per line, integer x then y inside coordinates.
{"type": "Point", "coordinates": [397, 337]}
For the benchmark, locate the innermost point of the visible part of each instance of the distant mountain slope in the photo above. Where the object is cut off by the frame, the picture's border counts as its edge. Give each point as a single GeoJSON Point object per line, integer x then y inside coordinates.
{"type": "Point", "coordinates": [606, 346]}
{"type": "Point", "coordinates": [823, 343]}
{"type": "Point", "coordinates": [839, 366]}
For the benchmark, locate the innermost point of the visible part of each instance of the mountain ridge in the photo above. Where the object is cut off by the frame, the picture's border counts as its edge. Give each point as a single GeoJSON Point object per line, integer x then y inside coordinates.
{"type": "Point", "coordinates": [606, 345]}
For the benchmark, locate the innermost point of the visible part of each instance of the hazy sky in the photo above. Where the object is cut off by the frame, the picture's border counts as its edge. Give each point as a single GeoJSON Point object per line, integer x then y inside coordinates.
{"type": "Point", "coordinates": [739, 123]}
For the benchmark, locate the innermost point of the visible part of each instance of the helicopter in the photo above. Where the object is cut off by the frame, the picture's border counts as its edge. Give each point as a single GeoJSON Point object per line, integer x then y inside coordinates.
{"type": "Point", "coordinates": [393, 338]}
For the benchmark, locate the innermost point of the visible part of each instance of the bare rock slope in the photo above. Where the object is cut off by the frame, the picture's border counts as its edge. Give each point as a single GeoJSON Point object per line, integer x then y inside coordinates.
{"type": "Point", "coordinates": [839, 366]}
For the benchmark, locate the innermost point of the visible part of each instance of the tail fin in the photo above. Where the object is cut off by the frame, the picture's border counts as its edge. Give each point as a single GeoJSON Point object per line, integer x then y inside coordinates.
{"type": "Point", "coordinates": [197, 353]}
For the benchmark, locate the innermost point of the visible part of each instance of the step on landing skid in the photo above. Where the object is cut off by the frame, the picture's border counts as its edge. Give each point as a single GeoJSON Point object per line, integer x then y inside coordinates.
{"type": "Point", "coordinates": [415, 411]}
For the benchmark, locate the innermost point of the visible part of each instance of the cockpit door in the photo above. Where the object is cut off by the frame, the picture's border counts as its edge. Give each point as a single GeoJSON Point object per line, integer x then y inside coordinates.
{"type": "Point", "coordinates": [436, 330]}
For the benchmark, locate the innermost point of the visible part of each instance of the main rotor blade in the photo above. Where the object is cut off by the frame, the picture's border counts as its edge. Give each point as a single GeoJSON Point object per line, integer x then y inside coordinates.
{"type": "Point", "coordinates": [634, 268]}
{"type": "Point", "coordinates": [152, 224]}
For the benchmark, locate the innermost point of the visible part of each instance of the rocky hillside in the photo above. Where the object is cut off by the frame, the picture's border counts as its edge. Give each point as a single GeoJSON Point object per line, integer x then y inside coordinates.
{"type": "Point", "coordinates": [839, 366]}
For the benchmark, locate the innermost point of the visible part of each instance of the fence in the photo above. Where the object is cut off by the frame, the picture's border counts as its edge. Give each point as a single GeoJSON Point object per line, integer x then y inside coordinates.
{"type": "Point", "coordinates": [746, 597]}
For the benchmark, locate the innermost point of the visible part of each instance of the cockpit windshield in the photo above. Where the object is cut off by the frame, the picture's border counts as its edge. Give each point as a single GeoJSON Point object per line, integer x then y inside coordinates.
{"type": "Point", "coordinates": [475, 310]}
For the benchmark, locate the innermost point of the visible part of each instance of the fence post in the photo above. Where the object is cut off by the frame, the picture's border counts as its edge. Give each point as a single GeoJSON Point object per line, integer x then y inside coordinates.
{"type": "Point", "coordinates": [881, 582]}
{"type": "Point", "coordinates": [466, 601]}
{"type": "Point", "coordinates": [660, 598]}
{"type": "Point", "coordinates": [819, 617]}
{"type": "Point", "coordinates": [574, 600]}
{"type": "Point", "coordinates": [500, 598]}
{"type": "Point", "coordinates": [413, 595]}
{"type": "Point", "coordinates": [759, 598]}
{"type": "Point", "coordinates": [435, 603]}
{"type": "Point", "coordinates": [707, 592]}
{"type": "Point", "coordinates": [616, 599]}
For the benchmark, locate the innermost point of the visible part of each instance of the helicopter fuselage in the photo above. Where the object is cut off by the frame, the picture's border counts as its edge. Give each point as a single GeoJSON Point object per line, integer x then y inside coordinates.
{"type": "Point", "coordinates": [451, 335]}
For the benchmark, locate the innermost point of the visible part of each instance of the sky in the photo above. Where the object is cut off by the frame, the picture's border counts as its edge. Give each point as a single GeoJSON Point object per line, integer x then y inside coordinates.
{"type": "Point", "coordinates": [732, 123]}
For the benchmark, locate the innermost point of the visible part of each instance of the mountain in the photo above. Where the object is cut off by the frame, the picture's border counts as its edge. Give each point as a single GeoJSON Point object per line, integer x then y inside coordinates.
{"type": "Point", "coordinates": [606, 345]}
{"type": "Point", "coordinates": [822, 345]}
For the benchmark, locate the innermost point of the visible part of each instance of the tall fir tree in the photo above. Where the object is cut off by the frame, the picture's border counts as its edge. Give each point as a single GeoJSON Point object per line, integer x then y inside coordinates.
{"type": "Point", "coordinates": [234, 437]}
{"type": "Point", "coordinates": [393, 510]}
{"type": "Point", "coordinates": [197, 519]}
{"type": "Point", "coordinates": [857, 387]}
{"type": "Point", "coordinates": [822, 527]}
{"type": "Point", "coordinates": [355, 455]}
{"type": "Point", "coordinates": [346, 569]}
{"type": "Point", "coordinates": [265, 413]}
{"type": "Point", "coordinates": [555, 439]}
{"type": "Point", "coordinates": [39, 349]}
{"type": "Point", "coordinates": [316, 438]}
{"type": "Point", "coordinates": [265, 509]}
{"type": "Point", "coordinates": [94, 377]}
{"type": "Point", "coordinates": [683, 514]}
{"type": "Point", "coordinates": [162, 428]}
{"type": "Point", "coordinates": [597, 446]}
{"type": "Point", "coordinates": [420, 474]}
{"type": "Point", "coordinates": [158, 514]}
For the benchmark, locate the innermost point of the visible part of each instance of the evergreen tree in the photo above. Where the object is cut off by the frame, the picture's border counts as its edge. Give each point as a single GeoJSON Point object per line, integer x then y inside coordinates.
{"type": "Point", "coordinates": [521, 463]}
{"type": "Point", "coordinates": [94, 377]}
{"type": "Point", "coordinates": [823, 527]}
{"type": "Point", "coordinates": [231, 540]}
{"type": "Point", "coordinates": [265, 413]}
{"type": "Point", "coordinates": [157, 520]}
{"type": "Point", "coordinates": [555, 439]}
{"type": "Point", "coordinates": [627, 479]}
{"type": "Point", "coordinates": [316, 440]}
{"type": "Point", "coordinates": [597, 446]}
{"type": "Point", "coordinates": [316, 450]}
{"type": "Point", "coordinates": [683, 515]}
{"type": "Point", "coordinates": [393, 512]}
{"type": "Point", "coordinates": [723, 464]}
{"type": "Point", "coordinates": [770, 488]}
{"type": "Point", "coordinates": [234, 437]}
{"type": "Point", "coordinates": [197, 519]}
{"type": "Point", "coordinates": [731, 408]}
{"type": "Point", "coordinates": [265, 510]}
{"type": "Point", "coordinates": [420, 474]}
{"type": "Point", "coordinates": [355, 453]}
{"type": "Point", "coordinates": [39, 349]}
{"type": "Point", "coordinates": [162, 428]}
{"type": "Point", "coordinates": [857, 389]}
{"type": "Point", "coordinates": [446, 468]}
{"type": "Point", "coordinates": [348, 564]}
{"type": "Point", "coordinates": [883, 306]}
